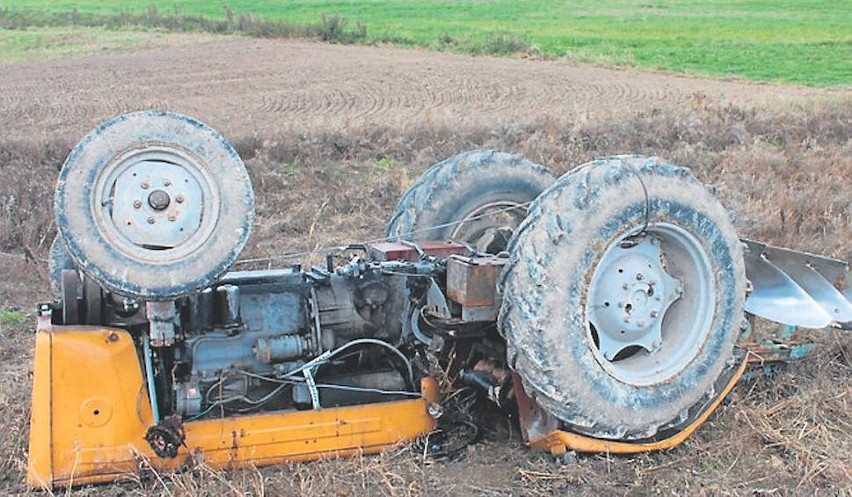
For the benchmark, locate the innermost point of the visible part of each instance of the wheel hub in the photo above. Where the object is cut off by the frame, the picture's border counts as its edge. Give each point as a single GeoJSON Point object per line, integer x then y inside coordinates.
{"type": "Point", "coordinates": [629, 295]}
{"type": "Point", "coordinates": [159, 200]}
{"type": "Point", "coordinates": [154, 201]}
{"type": "Point", "coordinates": [489, 228]}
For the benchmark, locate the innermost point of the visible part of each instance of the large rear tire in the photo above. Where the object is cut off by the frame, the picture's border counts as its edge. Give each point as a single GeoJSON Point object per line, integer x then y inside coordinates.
{"type": "Point", "coordinates": [477, 197]}
{"type": "Point", "coordinates": [622, 298]}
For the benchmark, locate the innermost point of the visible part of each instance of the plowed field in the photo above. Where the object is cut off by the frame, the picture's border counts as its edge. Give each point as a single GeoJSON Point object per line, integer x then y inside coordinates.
{"type": "Point", "coordinates": [250, 86]}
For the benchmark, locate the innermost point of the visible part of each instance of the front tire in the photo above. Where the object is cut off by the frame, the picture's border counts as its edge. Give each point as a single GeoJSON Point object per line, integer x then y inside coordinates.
{"type": "Point", "coordinates": [154, 205]}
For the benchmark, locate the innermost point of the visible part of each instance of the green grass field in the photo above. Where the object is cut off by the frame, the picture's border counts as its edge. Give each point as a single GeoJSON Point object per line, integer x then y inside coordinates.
{"type": "Point", "coordinates": [805, 42]}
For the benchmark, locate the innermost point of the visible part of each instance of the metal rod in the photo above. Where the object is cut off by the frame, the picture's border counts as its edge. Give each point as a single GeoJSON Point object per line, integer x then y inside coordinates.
{"type": "Point", "coordinates": [149, 377]}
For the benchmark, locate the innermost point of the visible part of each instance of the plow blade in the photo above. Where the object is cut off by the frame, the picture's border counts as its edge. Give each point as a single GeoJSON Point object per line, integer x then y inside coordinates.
{"type": "Point", "coordinates": [797, 288]}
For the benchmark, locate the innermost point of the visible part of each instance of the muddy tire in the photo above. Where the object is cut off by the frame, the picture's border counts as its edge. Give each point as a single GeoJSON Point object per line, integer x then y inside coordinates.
{"type": "Point", "coordinates": [154, 205]}
{"type": "Point", "coordinates": [477, 197]}
{"type": "Point", "coordinates": [58, 260]}
{"type": "Point", "coordinates": [619, 323]}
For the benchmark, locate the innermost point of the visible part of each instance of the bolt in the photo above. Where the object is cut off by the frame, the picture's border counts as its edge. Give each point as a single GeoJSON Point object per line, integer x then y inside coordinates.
{"type": "Point", "coordinates": [158, 200]}
{"type": "Point", "coordinates": [639, 276]}
{"type": "Point", "coordinates": [625, 286]}
{"type": "Point", "coordinates": [654, 314]}
{"type": "Point", "coordinates": [167, 183]}
{"type": "Point", "coordinates": [145, 185]}
{"type": "Point", "coordinates": [172, 216]}
{"type": "Point", "coordinates": [137, 204]}
{"type": "Point", "coordinates": [151, 220]}
{"type": "Point", "coordinates": [180, 198]}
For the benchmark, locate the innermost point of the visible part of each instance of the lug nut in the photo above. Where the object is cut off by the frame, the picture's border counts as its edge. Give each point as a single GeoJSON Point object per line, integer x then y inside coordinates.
{"type": "Point", "coordinates": [639, 276]}
{"type": "Point", "coordinates": [172, 216]}
{"type": "Point", "coordinates": [654, 314]}
{"type": "Point", "coordinates": [625, 286]}
{"type": "Point", "coordinates": [180, 198]}
{"type": "Point", "coordinates": [145, 185]}
{"type": "Point", "coordinates": [137, 204]}
{"type": "Point", "coordinates": [150, 220]}
{"type": "Point", "coordinates": [167, 183]}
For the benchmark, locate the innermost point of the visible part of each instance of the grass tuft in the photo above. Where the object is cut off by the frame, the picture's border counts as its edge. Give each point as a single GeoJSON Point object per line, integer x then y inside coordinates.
{"type": "Point", "coordinates": [499, 43]}
{"type": "Point", "coordinates": [11, 317]}
{"type": "Point", "coordinates": [329, 28]}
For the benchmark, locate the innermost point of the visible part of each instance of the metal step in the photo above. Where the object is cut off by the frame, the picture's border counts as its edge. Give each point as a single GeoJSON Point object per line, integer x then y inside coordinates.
{"type": "Point", "coordinates": [798, 288]}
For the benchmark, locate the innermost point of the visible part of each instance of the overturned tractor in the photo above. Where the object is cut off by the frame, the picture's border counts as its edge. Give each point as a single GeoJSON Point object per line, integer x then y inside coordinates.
{"type": "Point", "coordinates": [609, 309]}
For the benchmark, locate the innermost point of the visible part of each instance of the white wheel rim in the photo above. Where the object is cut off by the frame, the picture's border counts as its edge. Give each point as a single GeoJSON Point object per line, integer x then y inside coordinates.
{"type": "Point", "coordinates": [124, 211]}
{"type": "Point", "coordinates": [650, 305]}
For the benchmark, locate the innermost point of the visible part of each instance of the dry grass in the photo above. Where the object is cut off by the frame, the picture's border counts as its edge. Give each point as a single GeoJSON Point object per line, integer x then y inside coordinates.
{"type": "Point", "coordinates": [784, 173]}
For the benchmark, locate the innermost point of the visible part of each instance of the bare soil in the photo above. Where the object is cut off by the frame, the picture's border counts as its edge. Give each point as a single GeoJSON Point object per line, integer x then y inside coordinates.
{"type": "Point", "coordinates": [333, 135]}
{"type": "Point", "coordinates": [262, 86]}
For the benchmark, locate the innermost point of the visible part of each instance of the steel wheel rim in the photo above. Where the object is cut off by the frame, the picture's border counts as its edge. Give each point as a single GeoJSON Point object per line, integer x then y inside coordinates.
{"type": "Point", "coordinates": [683, 316]}
{"type": "Point", "coordinates": [121, 202]}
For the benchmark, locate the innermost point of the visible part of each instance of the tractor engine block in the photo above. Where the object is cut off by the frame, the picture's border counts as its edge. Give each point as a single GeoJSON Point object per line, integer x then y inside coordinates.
{"type": "Point", "coordinates": [269, 323]}
{"type": "Point", "coordinates": [239, 344]}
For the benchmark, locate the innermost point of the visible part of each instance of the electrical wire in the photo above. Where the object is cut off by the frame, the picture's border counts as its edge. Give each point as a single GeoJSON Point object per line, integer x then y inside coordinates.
{"type": "Point", "coordinates": [203, 413]}
{"type": "Point", "coordinates": [286, 383]}
{"type": "Point", "coordinates": [340, 248]}
{"type": "Point", "coordinates": [635, 171]}
{"type": "Point", "coordinates": [292, 378]}
{"type": "Point", "coordinates": [326, 356]}
{"type": "Point", "coordinates": [367, 390]}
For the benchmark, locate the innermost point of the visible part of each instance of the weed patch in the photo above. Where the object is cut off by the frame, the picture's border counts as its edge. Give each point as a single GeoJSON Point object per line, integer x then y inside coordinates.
{"type": "Point", "coordinates": [329, 28]}
{"type": "Point", "coordinates": [499, 43]}
{"type": "Point", "coordinates": [11, 318]}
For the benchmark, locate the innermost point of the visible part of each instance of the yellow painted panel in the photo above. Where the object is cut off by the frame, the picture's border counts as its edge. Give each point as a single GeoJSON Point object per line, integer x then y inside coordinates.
{"type": "Point", "coordinates": [91, 411]}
